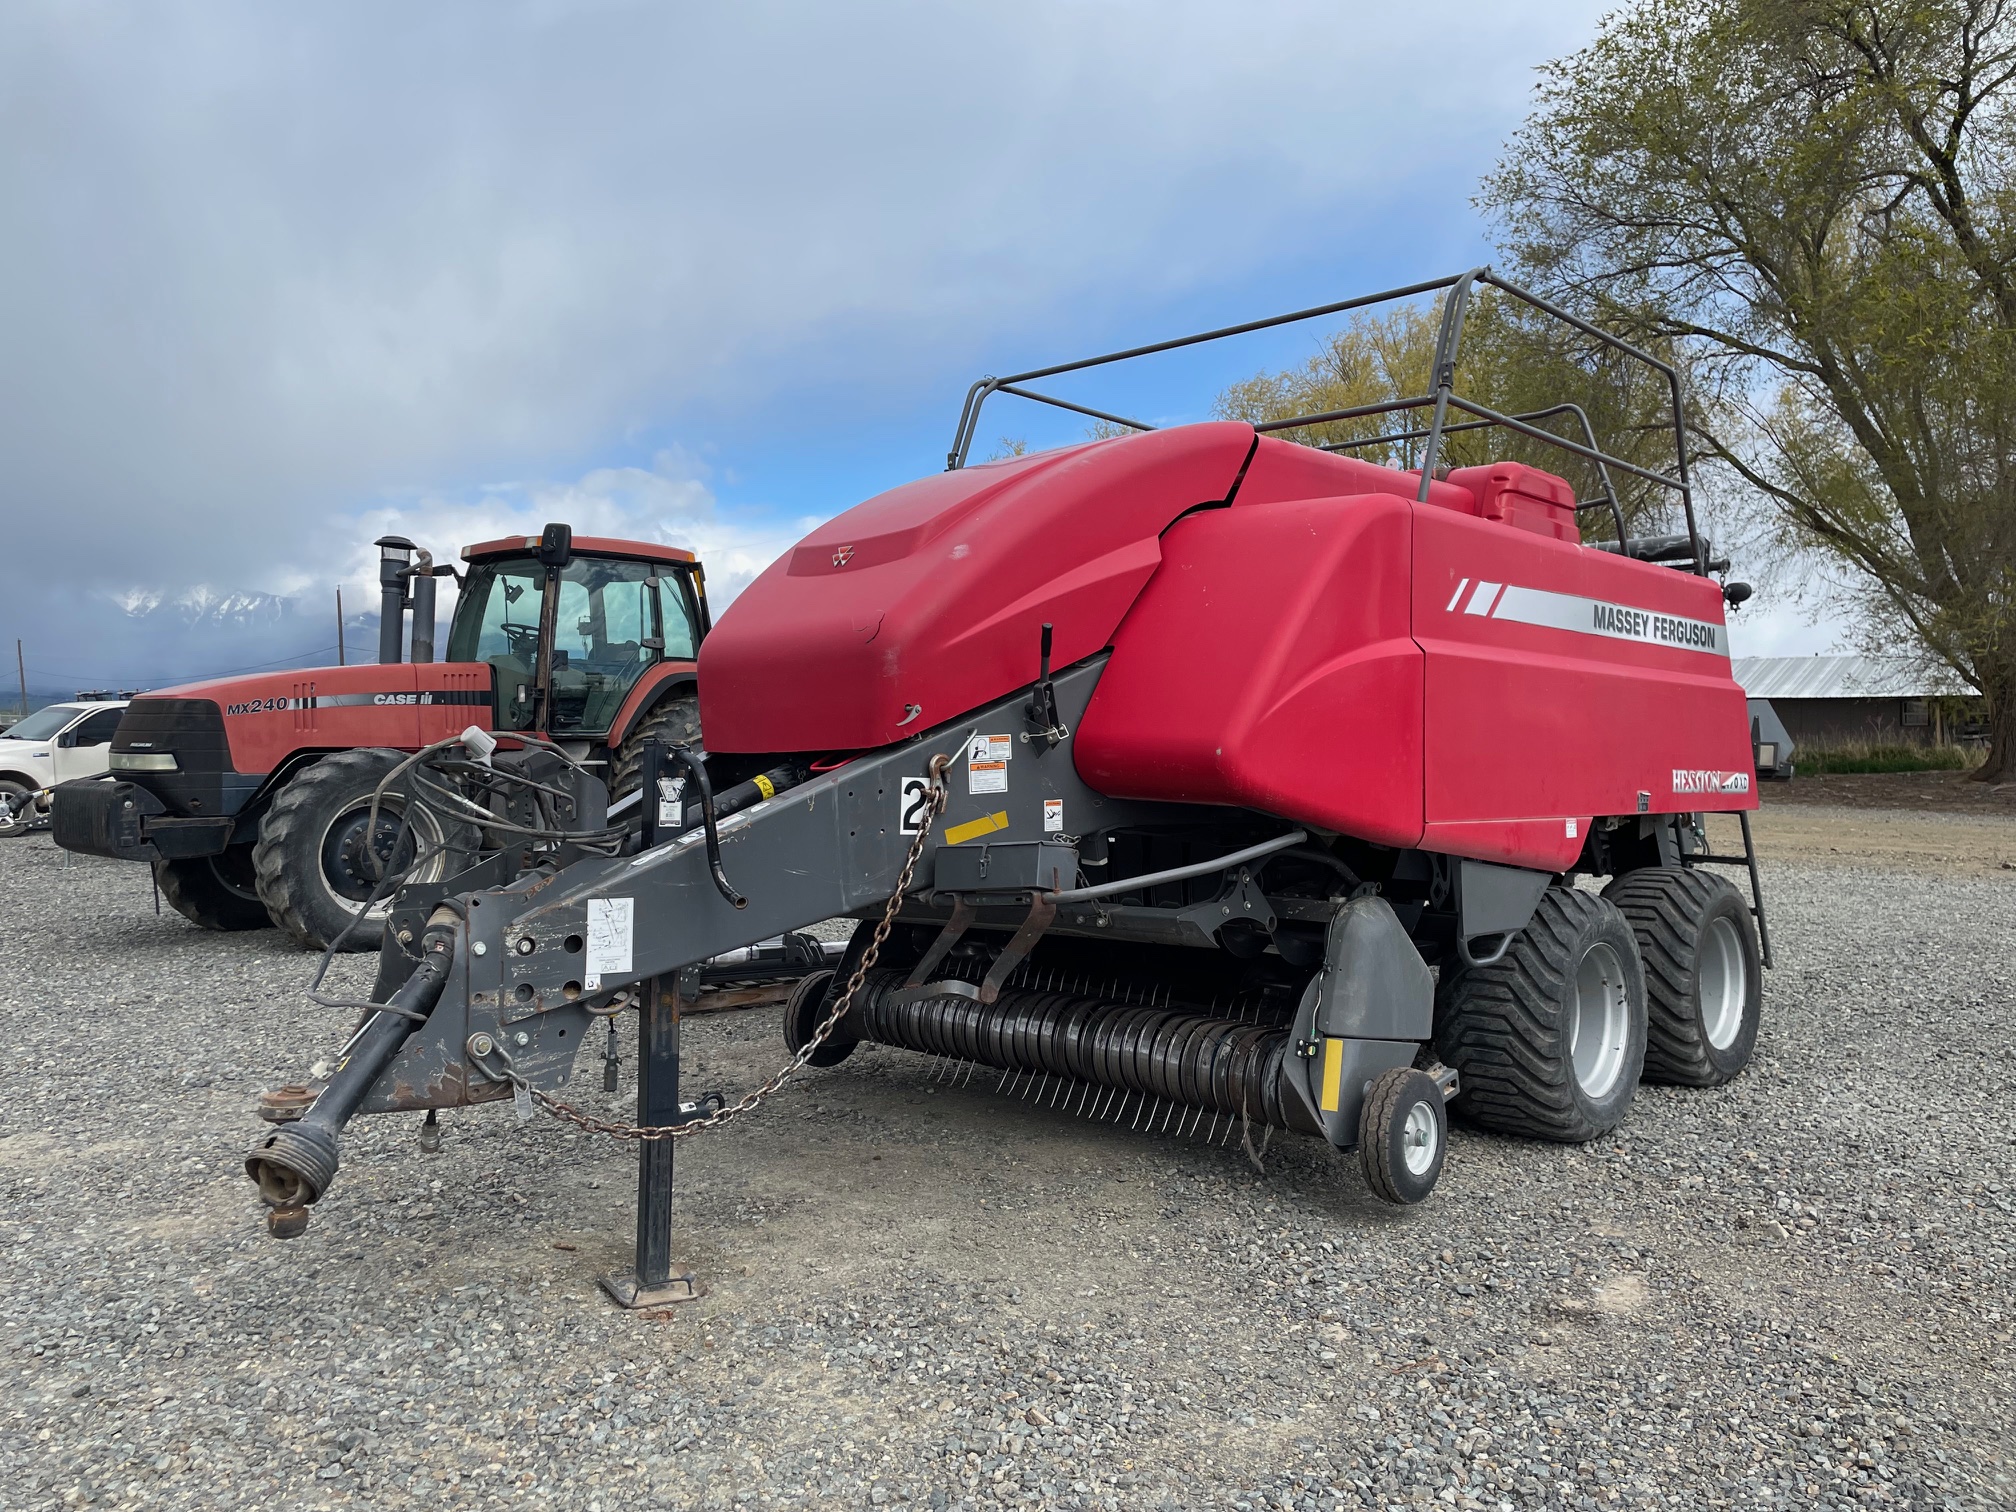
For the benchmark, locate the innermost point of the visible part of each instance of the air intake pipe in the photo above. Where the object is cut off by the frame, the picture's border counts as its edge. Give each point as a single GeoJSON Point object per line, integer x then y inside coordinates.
{"type": "Point", "coordinates": [394, 555]}
{"type": "Point", "coordinates": [423, 605]}
{"type": "Point", "coordinates": [295, 1163]}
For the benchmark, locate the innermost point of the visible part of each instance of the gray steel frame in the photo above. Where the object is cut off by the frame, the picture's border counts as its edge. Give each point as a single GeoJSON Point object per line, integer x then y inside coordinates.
{"type": "Point", "coordinates": [831, 846]}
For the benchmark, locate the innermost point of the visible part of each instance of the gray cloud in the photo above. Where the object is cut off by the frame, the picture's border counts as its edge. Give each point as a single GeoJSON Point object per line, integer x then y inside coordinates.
{"type": "Point", "coordinates": [262, 267]}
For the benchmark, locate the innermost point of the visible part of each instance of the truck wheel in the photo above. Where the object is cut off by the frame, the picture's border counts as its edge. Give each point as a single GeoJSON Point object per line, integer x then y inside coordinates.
{"type": "Point", "coordinates": [313, 869]}
{"type": "Point", "coordinates": [214, 892]}
{"type": "Point", "coordinates": [1549, 1040]}
{"type": "Point", "coordinates": [675, 720]}
{"type": "Point", "coordinates": [1403, 1133]}
{"type": "Point", "coordinates": [13, 822]}
{"type": "Point", "coordinates": [1704, 975]}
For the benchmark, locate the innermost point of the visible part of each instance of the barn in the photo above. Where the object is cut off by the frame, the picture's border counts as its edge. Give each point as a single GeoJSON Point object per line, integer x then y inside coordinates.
{"type": "Point", "coordinates": [1827, 701]}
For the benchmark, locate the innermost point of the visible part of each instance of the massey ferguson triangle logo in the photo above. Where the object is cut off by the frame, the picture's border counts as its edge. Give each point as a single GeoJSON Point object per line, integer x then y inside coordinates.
{"type": "Point", "coordinates": [842, 555]}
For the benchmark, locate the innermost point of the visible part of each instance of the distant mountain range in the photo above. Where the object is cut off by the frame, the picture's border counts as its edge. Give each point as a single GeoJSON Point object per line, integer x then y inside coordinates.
{"type": "Point", "coordinates": [156, 640]}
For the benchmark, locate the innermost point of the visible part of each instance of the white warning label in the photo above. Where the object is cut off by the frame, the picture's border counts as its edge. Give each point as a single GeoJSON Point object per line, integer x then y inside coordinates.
{"type": "Point", "coordinates": [987, 763]}
{"type": "Point", "coordinates": [671, 802]}
{"type": "Point", "coordinates": [611, 927]}
{"type": "Point", "coordinates": [1053, 815]}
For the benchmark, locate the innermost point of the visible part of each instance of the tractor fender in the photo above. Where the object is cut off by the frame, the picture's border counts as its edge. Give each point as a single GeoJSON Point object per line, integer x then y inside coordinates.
{"type": "Point", "coordinates": [664, 678]}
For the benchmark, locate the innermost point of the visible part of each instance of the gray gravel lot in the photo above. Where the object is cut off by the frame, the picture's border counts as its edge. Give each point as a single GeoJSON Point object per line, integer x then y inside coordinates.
{"type": "Point", "coordinates": [1793, 1292]}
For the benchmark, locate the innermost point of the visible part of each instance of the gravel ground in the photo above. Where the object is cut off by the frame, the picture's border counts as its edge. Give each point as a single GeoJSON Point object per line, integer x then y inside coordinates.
{"type": "Point", "coordinates": [1796, 1291]}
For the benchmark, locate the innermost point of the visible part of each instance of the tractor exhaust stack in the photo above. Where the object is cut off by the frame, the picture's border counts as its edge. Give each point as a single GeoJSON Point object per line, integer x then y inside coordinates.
{"type": "Point", "coordinates": [395, 554]}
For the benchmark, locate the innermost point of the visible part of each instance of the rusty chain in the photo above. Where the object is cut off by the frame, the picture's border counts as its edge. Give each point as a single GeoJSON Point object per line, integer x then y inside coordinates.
{"type": "Point", "coordinates": [749, 1101]}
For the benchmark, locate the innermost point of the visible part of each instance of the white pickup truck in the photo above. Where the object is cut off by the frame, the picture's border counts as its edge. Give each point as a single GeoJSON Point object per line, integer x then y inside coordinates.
{"type": "Point", "coordinates": [52, 745]}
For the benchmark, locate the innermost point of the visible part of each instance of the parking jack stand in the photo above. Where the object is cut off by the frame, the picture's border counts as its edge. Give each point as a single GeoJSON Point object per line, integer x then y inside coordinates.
{"type": "Point", "coordinates": [651, 1283]}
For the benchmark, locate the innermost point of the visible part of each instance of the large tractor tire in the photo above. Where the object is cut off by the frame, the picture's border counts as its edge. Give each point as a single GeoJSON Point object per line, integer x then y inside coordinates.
{"type": "Point", "coordinates": [1548, 1042]}
{"type": "Point", "coordinates": [1704, 975]}
{"type": "Point", "coordinates": [11, 821]}
{"type": "Point", "coordinates": [214, 892]}
{"type": "Point", "coordinates": [675, 720]}
{"type": "Point", "coordinates": [314, 873]}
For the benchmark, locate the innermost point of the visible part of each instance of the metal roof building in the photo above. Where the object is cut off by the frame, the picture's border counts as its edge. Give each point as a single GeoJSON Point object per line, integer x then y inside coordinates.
{"type": "Point", "coordinates": [1838, 700]}
{"type": "Point", "coordinates": [1846, 677]}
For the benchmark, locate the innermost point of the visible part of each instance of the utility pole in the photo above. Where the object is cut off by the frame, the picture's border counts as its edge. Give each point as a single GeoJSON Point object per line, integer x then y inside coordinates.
{"type": "Point", "coordinates": [339, 626]}
{"type": "Point", "coordinates": [21, 667]}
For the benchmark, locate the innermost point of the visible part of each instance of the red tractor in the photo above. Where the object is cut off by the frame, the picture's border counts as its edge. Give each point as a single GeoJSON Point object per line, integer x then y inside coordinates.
{"type": "Point", "coordinates": [250, 796]}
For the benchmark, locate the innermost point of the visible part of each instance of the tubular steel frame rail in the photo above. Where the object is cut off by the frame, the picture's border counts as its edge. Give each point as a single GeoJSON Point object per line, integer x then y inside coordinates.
{"type": "Point", "coordinates": [1443, 399]}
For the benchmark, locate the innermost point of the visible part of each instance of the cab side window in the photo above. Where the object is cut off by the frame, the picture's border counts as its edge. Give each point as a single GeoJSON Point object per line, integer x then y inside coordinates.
{"type": "Point", "coordinates": [96, 729]}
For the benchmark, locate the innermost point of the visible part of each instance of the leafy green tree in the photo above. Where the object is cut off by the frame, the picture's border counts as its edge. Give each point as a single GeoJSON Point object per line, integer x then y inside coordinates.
{"type": "Point", "coordinates": [1814, 201]}
{"type": "Point", "coordinates": [1510, 359]}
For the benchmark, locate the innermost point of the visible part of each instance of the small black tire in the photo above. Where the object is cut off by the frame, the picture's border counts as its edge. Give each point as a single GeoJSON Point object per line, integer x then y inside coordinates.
{"type": "Point", "coordinates": [310, 858]}
{"type": "Point", "coordinates": [674, 720]}
{"type": "Point", "coordinates": [1548, 1041]}
{"type": "Point", "coordinates": [810, 1001]}
{"type": "Point", "coordinates": [15, 822]}
{"type": "Point", "coordinates": [214, 892]}
{"type": "Point", "coordinates": [1403, 1135]}
{"type": "Point", "coordinates": [1704, 973]}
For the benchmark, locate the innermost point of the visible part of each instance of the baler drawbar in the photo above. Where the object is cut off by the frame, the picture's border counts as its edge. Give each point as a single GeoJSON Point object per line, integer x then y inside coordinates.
{"type": "Point", "coordinates": [1194, 779]}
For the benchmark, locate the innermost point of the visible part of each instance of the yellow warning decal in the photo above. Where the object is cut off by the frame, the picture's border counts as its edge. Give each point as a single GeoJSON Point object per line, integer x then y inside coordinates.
{"type": "Point", "coordinates": [765, 786]}
{"type": "Point", "coordinates": [973, 829]}
{"type": "Point", "coordinates": [1333, 1074]}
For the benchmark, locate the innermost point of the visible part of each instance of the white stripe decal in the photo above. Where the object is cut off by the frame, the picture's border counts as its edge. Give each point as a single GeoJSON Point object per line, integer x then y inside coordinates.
{"type": "Point", "coordinates": [1480, 600]}
{"type": "Point", "coordinates": [1585, 616]}
{"type": "Point", "coordinates": [1457, 594]}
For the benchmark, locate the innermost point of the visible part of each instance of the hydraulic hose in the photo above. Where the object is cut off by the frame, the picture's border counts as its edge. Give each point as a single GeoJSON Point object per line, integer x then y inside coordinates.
{"type": "Point", "coordinates": [295, 1163]}
{"type": "Point", "coordinates": [696, 769]}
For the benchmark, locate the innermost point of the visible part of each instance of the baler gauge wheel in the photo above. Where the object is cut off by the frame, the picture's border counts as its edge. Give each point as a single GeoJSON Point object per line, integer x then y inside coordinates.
{"type": "Point", "coordinates": [1403, 1135]}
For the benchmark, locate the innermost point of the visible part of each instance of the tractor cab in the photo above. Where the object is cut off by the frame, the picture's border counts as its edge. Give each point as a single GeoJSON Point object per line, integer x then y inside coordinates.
{"type": "Point", "coordinates": [568, 624]}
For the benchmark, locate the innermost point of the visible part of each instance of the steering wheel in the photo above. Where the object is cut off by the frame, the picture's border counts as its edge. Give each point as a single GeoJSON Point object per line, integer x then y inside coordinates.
{"type": "Point", "coordinates": [523, 641]}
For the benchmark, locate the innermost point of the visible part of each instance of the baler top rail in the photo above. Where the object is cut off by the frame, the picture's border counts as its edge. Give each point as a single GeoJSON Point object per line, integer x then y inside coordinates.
{"type": "Point", "coordinates": [1439, 401]}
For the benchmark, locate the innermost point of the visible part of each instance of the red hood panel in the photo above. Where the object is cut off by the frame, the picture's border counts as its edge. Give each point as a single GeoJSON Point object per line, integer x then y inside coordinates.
{"type": "Point", "coordinates": [932, 596]}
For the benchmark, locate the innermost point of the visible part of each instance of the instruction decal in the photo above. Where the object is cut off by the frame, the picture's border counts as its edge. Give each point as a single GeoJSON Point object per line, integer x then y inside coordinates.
{"type": "Point", "coordinates": [987, 763]}
{"type": "Point", "coordinates": [611, 928]}
{"type": "Point", "coordinates": [1053, 816]}
{"type": "Point", "coordinates": [671, 802]}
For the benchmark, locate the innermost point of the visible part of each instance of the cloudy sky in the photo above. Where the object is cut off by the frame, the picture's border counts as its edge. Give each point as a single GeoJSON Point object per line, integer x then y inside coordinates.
{"type": "Point", "coordinates": [277, 279]}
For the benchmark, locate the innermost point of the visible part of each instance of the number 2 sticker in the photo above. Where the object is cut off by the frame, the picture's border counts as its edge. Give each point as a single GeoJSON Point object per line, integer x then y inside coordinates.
{"type": "Point", "coordinates": [913, 802]}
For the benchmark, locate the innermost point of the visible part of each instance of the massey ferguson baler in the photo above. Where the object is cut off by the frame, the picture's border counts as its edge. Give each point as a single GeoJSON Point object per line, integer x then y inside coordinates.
{"type": "Point", "coordinates": [1192, 777]}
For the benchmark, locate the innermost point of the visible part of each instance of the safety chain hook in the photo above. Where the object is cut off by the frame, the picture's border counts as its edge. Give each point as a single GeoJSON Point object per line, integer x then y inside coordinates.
{"type": "Point", "coordinates": [495, 1056]}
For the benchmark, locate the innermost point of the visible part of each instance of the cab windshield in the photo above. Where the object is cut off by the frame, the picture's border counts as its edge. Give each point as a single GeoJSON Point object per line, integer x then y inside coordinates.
{"type": "Point", "coordinates": [43, 724]}
{"type": "Point", "coordinates": [613, 623]}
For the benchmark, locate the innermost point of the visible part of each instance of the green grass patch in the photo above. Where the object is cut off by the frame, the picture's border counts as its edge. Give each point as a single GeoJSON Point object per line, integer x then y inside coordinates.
{"type": "Point", "coordinates": [1818, 760]}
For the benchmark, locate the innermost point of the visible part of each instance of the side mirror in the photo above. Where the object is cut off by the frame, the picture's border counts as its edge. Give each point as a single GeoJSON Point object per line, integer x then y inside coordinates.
{"type": "Point", "coordinates": [66, 740]}
{"type": "Point", "coordinates": [1736, 593]}
{"type": "Point", "coordinates": [556, 546]}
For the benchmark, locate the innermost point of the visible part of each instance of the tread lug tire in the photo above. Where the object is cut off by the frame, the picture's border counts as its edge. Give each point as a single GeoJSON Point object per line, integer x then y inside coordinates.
{"type": "Point", "coordinates": [303, 836]}
{"type": "Point", "coordinates": [1403, 1135]}
{"type": "Point", "coordinates": [1548, 1041]}
{"type": "Point", "coordinates": [1704, 975]}
{"type": "Point", "coordinates": [676, 720]}
{"type": "Point", "coordinates": [214, 892]}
